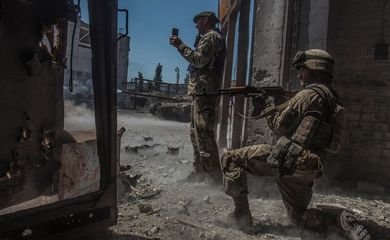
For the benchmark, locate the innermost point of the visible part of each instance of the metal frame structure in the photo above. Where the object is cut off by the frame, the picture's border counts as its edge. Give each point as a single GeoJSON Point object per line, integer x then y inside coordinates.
{"type": "Point", "coordinates": [97, 210]}
{"type": "Point", "coordinates": [231, 13]}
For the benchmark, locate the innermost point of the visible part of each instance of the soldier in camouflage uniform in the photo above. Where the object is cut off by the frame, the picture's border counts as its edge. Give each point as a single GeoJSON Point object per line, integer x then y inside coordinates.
{"type": "Point", "coordinates": [295, 183]}
{"type": "Point", "coordinates": [206, 67]}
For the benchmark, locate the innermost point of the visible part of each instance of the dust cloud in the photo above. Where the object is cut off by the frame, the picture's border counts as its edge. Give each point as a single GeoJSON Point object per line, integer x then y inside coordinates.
{"type": "Point", "coordinates": [78, 117]}
{"type": "Point", "coordinates": [184, 210]}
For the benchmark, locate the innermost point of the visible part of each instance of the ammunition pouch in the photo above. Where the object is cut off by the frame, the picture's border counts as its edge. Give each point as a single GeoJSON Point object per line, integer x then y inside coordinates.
{"type": "Point", "coordinates": [291, 159]}
{"type": "Point", "coordinates": [279, 152]}
{"type": "Point", "coordinates": [312, 133]}
{"type": "Point", "coordinates": [285, 156]}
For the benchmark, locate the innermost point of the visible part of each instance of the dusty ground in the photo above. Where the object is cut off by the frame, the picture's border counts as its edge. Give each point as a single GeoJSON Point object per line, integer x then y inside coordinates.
{"type": "Point", "coordinates": [155, 203]}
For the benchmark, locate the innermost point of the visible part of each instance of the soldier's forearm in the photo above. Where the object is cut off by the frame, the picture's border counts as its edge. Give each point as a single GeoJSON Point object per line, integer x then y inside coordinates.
{"type": "Point", "coordinates": [195, 58]}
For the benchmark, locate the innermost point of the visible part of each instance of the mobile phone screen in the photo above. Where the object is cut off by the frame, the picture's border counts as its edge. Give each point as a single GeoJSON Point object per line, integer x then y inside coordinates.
{"type": "Point", "coordinates": [175, 32]}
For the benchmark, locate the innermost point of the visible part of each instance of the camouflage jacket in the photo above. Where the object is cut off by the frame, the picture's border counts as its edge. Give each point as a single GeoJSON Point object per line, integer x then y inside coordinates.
{"type": "Point", "coordinates": [306, 100]}
{"type": "Point", "coordinates": [286, 122]}
{"type": "Point", "coordinates": [202, 59]}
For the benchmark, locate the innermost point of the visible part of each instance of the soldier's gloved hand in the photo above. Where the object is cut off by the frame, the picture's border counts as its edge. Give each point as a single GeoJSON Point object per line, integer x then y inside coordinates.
{"type": "Point", "coordinates": [175, 41]}
{"type": "Point", "coordinates": [226, 159]}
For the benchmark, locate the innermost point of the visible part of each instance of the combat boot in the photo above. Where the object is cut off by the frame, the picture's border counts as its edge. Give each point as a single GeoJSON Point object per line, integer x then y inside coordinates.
{"type": "Point", "coordinates": [350, 223]}
{"type": "Point", "coordinates": [240, 218]}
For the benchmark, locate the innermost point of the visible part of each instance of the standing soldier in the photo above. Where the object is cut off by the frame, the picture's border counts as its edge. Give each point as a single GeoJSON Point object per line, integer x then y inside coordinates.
{"type": "Point", "coordinates": [305, 128]}
{"type": "Point", "coordinates": [206, 67]}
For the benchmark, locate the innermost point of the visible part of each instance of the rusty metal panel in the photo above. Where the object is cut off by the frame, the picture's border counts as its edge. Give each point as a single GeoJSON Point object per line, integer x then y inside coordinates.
{"type": "Point", "coordinates": [80, 170]}
{"type": "Point", "coordinates": [223, 9]}
{"type": "Point", "coordinates": [36, 202]}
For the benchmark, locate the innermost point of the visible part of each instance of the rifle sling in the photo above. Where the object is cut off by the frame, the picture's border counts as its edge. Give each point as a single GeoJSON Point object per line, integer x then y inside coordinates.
{"type": "Point", "coordinates": [270, 111]}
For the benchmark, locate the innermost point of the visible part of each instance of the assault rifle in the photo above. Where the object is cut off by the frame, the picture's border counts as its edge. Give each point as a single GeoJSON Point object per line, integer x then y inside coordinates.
{"type": "Point", "coordinates": [249, 91]}
{"type": "Point", "coordinates": [260, 97]}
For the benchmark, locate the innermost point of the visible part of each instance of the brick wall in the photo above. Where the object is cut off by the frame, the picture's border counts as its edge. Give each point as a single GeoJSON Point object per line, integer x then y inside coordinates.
{"type": "Point", "coordinates": [364, 87]}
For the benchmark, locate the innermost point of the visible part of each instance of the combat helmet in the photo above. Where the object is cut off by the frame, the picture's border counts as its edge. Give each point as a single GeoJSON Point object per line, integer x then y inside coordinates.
{"type": "Point", "coordinates": [314, 59]}
{"type": "Point", "coordinates": [209, 14]}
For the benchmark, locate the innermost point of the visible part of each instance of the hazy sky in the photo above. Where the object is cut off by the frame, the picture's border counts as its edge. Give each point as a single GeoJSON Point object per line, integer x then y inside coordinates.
{"type": "Point", "coordinates": [150, 24]}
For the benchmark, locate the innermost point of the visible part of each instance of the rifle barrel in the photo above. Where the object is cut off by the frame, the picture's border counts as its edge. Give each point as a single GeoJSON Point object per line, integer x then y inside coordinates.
{"type": "Point", "coordinates": [247, 91]}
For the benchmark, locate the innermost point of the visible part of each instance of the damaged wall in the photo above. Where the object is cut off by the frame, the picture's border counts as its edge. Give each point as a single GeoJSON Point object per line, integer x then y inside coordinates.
{"type": "Point", "coordinates": [349, 30]}
{"type": "Point", "coordinates": [267, 57]}
{"type": "Point", "coordinates": [269, 34]}
{"type": "Point", "coordinates": [31, 98]}
{"type": "Point", "coordinates": [364, 86]}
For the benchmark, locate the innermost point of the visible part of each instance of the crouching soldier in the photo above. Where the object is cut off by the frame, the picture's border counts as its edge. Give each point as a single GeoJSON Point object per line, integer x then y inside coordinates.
{"type": "Point", "coordinates": [306, 127]}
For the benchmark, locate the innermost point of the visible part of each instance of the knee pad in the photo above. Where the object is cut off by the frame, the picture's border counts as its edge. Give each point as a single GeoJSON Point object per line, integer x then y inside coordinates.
{"type": "Point", "coordinates": [234, 187]}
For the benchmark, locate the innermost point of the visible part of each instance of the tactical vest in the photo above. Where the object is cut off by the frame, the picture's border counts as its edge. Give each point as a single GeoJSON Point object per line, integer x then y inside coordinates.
{"type": "Point", "coordinates": [316, 131]}
{"type": "Point", "coordinates": [219, 60]}
{"type": "Point", "coordinates": [217, 63]}
{"type": "Point", "coordinates": [319, 131]}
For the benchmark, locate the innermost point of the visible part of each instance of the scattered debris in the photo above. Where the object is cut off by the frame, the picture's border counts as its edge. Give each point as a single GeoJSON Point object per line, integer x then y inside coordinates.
{"type": "Point", "coordinates": [190, 224]}
{"type": "Point", "coordinates": [148, 138]}
{"type": "Point", "coordinates": [130, 180]}
{"type": "Point", "coordinates": [206, 199]}
{"type": "Point", "coordinates": [123, 168]}
{"type": "Point", "coordinates": [150, 195]}
{"type": "Point", "coordinates": [183, 206]}
{"type": "Point", "coordinates": [155, 211]}
{"type": "Point", "coordinates": [173, 150]}
{"type": "Point", "coordinates": [131, 149]}
{"type": "Point", "coordinates": [145, 208]}
{"type": "Point", "coordinates": [160, 168]}
{"type": "Point", "coordinates": [136, 148]}
{"type": "Point", "coordinates": [155, 229]}
{"type": "Point", "coordinates": [121, 131]}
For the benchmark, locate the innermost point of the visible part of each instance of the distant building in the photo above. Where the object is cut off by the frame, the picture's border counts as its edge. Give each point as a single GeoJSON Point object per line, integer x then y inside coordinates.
{"type": "Point", "coordinates": [82, 70]}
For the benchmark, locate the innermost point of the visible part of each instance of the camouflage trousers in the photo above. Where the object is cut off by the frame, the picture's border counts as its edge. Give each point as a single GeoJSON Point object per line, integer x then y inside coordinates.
{"type": "Point", "coordinates": [296, 190]}
{"type": "Point", "coordinates": [206, 157]}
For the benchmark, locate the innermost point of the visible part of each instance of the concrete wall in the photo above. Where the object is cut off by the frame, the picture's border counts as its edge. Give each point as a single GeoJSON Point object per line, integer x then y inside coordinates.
{"type": "Point", "coordinates": [318, 27]}
{"type": "Point", "coordinates": [364, 87]}
{"type": "Point", "coordinates": [268, 43]}
{"type": "Point", "coordinates": [313, 28]}
{"type": "Point", "coordinates": [267, 58]}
